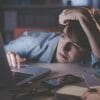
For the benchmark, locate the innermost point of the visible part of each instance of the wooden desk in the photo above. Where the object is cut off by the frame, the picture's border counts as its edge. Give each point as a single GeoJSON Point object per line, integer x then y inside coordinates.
{"type": "Point", "coordinates": [62, 69]}
{"type": "Point", "coordinates": [57, 70]}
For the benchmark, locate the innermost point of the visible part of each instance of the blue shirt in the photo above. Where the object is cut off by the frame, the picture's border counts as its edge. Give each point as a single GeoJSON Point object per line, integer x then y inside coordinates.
{"type": "Point", "coordinates": [35, 46]}
{"type": "Point", "coordinates": [40, 47]}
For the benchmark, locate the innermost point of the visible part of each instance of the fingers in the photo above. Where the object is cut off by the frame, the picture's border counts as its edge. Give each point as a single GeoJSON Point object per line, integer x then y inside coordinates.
{"type": "Point", "coordinates": [13, 59]}
{"type": "Point", "coordinates": [96, 11]}
{"type": "Point", "coordinates": [68, 14]}
{"type": "Point", "coordinates": [71, 14]}
{"type": "Point", "coordinates": [18, 61]}
{"type": "Point", "coordinates": [92, 96]}
{"type": "Point", "coordinates": [8, 58]}
{"type": "Point", "coordinates": [62, 18]}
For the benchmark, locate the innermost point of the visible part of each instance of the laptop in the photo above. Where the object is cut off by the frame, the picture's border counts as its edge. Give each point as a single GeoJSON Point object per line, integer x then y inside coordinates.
{"type": "Point", "coordinates": [10, 77]}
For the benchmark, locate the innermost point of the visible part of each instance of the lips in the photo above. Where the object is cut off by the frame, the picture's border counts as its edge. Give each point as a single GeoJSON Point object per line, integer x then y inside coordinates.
{"type": "Point", "coordinates": [63, 56]}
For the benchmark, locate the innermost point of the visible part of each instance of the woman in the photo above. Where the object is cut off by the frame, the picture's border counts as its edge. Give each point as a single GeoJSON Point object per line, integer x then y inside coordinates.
{"type": "Point", "coordinates": [79, 42]}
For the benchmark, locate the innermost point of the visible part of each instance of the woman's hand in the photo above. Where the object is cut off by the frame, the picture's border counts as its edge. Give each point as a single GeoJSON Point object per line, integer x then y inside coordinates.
{"type": "Point", "coordinates": [14, 59]}
{"type": "Point", "coordinates": [92, 94]}
{"type": "Point", "coordinates": [72, 14]}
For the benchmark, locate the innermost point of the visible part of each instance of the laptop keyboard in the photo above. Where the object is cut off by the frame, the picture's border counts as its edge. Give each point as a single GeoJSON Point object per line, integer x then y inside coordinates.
{"type": "Point", "coordinates": [20, 76]}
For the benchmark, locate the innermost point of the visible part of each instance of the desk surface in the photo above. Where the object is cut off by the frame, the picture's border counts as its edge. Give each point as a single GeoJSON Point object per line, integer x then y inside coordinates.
{"type": "Point", "coordinates": [62, 69]}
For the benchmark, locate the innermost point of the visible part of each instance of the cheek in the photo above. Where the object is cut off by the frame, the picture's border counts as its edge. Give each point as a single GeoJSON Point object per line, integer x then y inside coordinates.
{"type": "Point", "coordinates": [60, 45]}
{"type": "Point", "coordinates": [74, 53]}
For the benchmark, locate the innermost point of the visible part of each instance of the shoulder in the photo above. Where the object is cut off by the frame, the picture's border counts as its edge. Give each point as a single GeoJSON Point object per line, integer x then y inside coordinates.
{"type": "Point", "coordinates": [39, 36]}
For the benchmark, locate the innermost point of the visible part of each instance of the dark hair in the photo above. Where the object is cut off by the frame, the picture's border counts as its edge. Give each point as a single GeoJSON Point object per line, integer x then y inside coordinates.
{"type": "Point", "coordinates": [75, 32]}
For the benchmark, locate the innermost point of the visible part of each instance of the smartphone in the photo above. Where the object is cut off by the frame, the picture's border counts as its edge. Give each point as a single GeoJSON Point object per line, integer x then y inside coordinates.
{"type": "Point", "coordinates": [61, 80]}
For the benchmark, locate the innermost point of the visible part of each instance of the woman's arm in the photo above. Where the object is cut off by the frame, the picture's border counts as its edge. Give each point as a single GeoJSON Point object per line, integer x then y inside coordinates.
{"type": "Point", "coordinates": [85, 17]}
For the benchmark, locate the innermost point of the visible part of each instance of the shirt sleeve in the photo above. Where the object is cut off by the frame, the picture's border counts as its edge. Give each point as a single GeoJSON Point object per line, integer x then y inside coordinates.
{"type": "Point", "coordinates": [96, 64]}
{"type": "Point", "coordinates": [35, 46]}
{"type": "Point", "coordinates": [21, 45]}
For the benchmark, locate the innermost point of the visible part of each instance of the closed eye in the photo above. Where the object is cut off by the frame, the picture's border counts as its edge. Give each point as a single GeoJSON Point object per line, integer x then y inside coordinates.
{"type": "Point", "coordinates": [68, 47]}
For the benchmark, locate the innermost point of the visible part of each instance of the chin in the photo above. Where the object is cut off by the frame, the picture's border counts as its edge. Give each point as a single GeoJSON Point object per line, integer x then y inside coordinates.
{"type": "Point", "coordinates": [61, 60]}
{"type": "Point", "coordinates": [65, 61]}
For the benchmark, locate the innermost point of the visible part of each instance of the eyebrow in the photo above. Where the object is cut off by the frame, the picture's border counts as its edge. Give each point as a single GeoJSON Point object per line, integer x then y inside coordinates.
{"type": "Point", "coordinates": [76, 44]}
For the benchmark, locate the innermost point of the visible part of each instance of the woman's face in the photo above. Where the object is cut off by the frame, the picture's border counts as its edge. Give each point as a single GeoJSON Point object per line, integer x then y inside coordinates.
{"type": "Point", "coordinates": [68, 51]}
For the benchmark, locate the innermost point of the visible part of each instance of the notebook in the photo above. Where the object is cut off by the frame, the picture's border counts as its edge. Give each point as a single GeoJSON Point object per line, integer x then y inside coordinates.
{"type": "Point", "coordinates": [10, 77]}
{"type": "Point", "coordinates": [70, 92]}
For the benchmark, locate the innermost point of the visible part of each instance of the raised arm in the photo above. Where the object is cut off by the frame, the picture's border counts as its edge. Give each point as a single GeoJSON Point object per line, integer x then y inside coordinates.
{"type": "Point", "coordinates": [88, 23]}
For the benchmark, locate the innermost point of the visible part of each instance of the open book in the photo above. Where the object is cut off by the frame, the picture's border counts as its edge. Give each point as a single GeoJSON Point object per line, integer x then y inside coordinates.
{"type": "Point", "coordinates": [70, 93]}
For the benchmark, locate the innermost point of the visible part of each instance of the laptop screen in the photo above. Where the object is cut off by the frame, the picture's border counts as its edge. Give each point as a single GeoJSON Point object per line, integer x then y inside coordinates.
{"type": "Point", "coordinates": [6, 79]}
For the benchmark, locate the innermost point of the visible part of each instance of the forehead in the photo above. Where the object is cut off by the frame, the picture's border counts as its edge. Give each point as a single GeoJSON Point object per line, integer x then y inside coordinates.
{"type": "Point", "coordinates": [72, 38]}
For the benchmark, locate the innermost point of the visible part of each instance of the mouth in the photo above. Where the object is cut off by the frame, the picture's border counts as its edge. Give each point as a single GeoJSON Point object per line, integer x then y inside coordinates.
{"type": "Point", "coordinates": [63, 57]}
